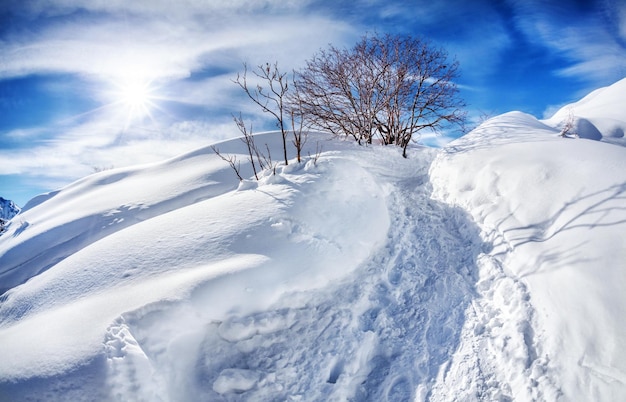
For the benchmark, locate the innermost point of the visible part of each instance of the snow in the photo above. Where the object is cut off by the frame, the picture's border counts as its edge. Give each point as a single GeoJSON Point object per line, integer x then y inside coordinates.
{"type": "Point", "coordinates": [491, 269]}
{"type": "Point", "coordinates": [554, 210]}
{"type": "Point", "coordinates": [598, 116]}
{"type": "Point", "coordinates": [8, 209]}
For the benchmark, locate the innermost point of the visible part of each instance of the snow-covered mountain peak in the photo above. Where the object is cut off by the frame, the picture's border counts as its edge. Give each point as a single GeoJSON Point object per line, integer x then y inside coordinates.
{"type": "Point", "coordinates": [8, 209]}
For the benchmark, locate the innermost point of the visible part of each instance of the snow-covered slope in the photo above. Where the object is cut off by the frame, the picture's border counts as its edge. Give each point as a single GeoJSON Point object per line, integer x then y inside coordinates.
{"type": "Point", "coordinates": [56, 225]}
{"type": "Point", "coordinates": [152, 240]}
{"type": "Point", "coordinates": [552, 317]}
{"type": "Point", "coordinates": [600, 115]}
{"type": "Point", "coordinates": [492, 269]}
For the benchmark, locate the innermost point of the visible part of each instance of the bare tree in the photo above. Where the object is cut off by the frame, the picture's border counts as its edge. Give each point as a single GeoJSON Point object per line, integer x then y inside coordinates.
{"type": "Point", "coordinates": [98, 169]}
{"type": "Point", "coordinates": [318, 153]}
{"type": "Point", "coordinates": [387, 87]}
{"type": "Point", "coordinates": [331, 95]}
{"type": "Point", "coordinates": [272, 98]}
{"type": "Point", "coordinates": [297, 125]}
{"type": "Point", "coordinates": [255, 155]}
{"type": "Point", "coordinates": [248, 139]}
{"type": "Point", "coordinates": [568, 125]}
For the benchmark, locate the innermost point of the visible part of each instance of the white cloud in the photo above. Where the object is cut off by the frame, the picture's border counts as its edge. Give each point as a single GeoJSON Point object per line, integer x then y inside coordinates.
{"type": "Point", "coordinates": [593, 41]}
{"type": "Point", "coordinates": [23, 134]}
{"type": "Point", "coordinates": [162, 40]}
{"type": "Point", "coordinates": [162, 48]}
{"type": "Point", "coordinates": [98, 144]}
{"type": "Point", "coordinates": [481, 61]}
{"type": "Point", "coordinates": [621, 18]}
{"type": "Point", "coordinates": [596, 61]}
{"type": "Point", "coordinates": [166, 8]}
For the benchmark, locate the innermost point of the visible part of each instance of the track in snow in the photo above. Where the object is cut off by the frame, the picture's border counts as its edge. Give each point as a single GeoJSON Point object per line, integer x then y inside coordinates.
{"type": "Point", "coordinates": [381, 334]}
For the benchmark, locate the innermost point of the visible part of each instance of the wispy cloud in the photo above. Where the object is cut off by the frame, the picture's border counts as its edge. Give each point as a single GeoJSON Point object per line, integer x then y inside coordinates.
{"type": "Point", "coordinates": [191, 49]}
{"type": "Point", "coordinates": [76, 152]}
{"type": "Point", "coordinates": [156, 48]}
{"type": "Point", "coordinates": [177, 45]}
{"type": "Point", "coordinates": [174, 10]}
{"type": "Point", "coordinates": [592, 35]}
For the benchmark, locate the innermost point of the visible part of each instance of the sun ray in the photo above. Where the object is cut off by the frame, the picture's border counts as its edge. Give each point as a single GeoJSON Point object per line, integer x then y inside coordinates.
{"type": "Point", "coordinates": [136, 96]}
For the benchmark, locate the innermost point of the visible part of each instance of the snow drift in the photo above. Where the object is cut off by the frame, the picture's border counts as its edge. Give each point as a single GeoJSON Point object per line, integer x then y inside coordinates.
{"type": "Point", "coordinates": [598, 116]}
{"type": "Point", "coordinates": [491, 269]}
{"type": "Point", "coordinates": [553, 209]}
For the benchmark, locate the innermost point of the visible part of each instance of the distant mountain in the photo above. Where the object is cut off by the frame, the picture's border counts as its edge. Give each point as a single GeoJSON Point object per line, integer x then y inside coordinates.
{"type": "Point", "coordinates": [8, 209]}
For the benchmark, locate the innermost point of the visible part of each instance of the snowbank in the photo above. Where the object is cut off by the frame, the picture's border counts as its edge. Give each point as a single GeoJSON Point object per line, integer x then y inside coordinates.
{"type": "Point", "coordinates": [598, 116]}
{"type": "Point", "coordinates": [554, 210]}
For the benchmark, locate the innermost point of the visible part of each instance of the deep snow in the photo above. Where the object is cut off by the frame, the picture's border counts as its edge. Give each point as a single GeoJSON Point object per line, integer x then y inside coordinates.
{"type": "Point", "coordinates": [492, 269]}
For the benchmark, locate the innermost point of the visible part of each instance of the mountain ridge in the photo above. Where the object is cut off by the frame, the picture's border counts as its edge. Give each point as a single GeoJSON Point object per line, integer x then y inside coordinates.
{"type": "Point", "coordinates": [8, 209]}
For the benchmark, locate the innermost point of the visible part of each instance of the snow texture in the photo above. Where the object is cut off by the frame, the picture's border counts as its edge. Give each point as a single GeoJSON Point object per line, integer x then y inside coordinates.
{"type": "Point", "coordinates": [491, 269]}
{"type": "Point", "coordinates": [598, 116]}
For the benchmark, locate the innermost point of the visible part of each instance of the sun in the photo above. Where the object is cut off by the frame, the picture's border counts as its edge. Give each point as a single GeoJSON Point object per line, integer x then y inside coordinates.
{"type": "Point", "coordinates": [134, 96]}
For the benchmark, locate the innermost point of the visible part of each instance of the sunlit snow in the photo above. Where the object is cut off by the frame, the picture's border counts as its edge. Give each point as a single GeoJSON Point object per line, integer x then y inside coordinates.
{"type": "Point", "coordinates": [491, 269]}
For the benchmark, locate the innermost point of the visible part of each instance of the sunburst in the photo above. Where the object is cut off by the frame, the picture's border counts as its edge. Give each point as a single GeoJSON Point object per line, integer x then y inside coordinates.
{"type": "Point", "coordinates": [135, 96]}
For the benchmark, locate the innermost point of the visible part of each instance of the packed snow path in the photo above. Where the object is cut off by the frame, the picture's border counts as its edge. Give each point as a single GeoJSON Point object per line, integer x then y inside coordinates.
{"type": "Point", "coordinates": [380, 334]}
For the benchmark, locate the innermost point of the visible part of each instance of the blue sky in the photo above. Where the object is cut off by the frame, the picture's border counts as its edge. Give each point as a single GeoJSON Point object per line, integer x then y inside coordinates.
{"type": "Point", "coordinates": [69, 67]}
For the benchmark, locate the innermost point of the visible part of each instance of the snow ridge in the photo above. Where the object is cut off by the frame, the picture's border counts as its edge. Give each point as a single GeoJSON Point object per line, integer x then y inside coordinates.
{"type": "Point", "coordinates": [598, 116]}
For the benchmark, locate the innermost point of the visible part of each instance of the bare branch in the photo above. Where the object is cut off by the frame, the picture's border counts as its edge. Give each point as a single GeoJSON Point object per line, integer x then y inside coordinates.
{"type": "Point", "coordinates": [568, 125]}
{"type": "Point", "coordinates": [318, 152]}
{"type": "Point", "coordinates": [270, 99]}
{"type": "Point", "coordinates": [231, 160]}
{"type": "Point", "coordinates": [297, 126]}
{"type": "Point", "coordinates": [247, 139]}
